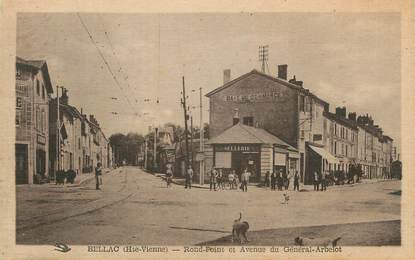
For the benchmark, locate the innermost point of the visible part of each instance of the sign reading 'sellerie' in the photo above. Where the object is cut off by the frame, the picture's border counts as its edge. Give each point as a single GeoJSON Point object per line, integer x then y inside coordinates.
{"type": "Point", "coordinates": [237, 148]}
{"type": "Point", "coordinates": [261, 96]}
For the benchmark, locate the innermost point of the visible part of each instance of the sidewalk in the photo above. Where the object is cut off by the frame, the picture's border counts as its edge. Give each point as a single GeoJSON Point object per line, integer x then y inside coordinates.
{"type": "Point", "coordinates": [83, 178]}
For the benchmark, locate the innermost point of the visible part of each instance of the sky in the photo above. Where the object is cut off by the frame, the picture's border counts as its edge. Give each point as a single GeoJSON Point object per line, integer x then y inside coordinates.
{"type": "Point", "coordinates": [347, 59]}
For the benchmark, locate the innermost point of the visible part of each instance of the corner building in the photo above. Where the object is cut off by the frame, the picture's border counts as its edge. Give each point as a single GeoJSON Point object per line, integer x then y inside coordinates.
{"type": "Point", "coordinates": [283, 108]}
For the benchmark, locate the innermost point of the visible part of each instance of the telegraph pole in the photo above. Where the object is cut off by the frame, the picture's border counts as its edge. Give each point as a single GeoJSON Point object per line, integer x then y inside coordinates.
{"type": "Point", "coordinates": [191, 139]}
{"type": "Point", "coordinates": [263, 57]}
{"type": "Point", "coordinates": [201, 144]}
{"type": "Point", "coordinates": [58, 132]}
{"type": "Point", "coordinates": [185, 124]}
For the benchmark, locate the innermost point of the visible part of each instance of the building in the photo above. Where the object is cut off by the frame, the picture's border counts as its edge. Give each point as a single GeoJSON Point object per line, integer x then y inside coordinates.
{"type": "Point", "coordinates": [33, 91]}
{"type": "Point", "coordinates": [374, 149]}
{"type": "Point", "coordinates": [283, 108]}
{"type": "Point", "coordinates": [342, 138]}
{"type": "Point", "coordinates": [243, 147]}
{"type": "Point", "coordinates": [70, 151]}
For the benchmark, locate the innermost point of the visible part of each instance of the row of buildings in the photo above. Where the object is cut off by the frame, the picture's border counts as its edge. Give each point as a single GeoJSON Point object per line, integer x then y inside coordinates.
{"type": "Point", "coordinates": [82, 142]}
{"type": "Point", "coordinates": [266, 123]}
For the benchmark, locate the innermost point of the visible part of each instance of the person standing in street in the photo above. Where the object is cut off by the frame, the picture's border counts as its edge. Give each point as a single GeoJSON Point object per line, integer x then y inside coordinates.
{"type": "Point", "coordinates": [266, 182]}
{"type": "Point", "coordinates": [316, 181]}
{"type": "Point", "coordinates": [213, 176]}
{"type": "Point", "coordinates": [296, 181]}
{"type": "Point", "coordinates": [280, 180]}
{"type": "Point", "coordinates": [273, 180]}
{"type": "Point", "coordinates": [98, 176]}
{"type": "Point", "coordinates": [169, 174]}
{"type": "Point", "coordinates": [231, 179]}
{"type": "Point", "coordinates": [323, 181]}
{"type": "Point", "coordinates": [189, 177]}
{"type": "Point", "coordinates": [245, 179]}
{"type": "Point", "coordinates": [219, 179]}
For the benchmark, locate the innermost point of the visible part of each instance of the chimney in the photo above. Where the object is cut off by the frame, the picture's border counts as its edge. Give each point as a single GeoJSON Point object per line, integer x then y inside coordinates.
{"type": "Point", "coordinates": [282, 71]}
{"type": "Point", "coordinates": [341, 111]}
{"type": "Point", "coordinates": [64, 99]}
{"type": "Point", "coordinates": [236, 116]}
{"type": "Point", "coordinates": [352, 116]}
{"type": "Point", "coordinates": [226, 76]}
{"type": "Point", "coordinates": [295, 82]}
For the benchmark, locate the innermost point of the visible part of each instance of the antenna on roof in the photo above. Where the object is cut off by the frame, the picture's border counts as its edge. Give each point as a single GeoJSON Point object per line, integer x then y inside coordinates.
{"type": "Point", "coordinates": [263, 57]}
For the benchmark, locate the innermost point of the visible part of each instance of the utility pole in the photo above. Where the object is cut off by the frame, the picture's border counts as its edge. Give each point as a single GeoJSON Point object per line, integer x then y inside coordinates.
{"type": "Point", "coordinates": [155, 149]}
{"type": "Point", "coordinates": [201, 144]}
{"type": "Point", "coordinates": [58, 132]}
{"type": "Point", "coordinates": [263, 57]}
{"type": "Point", "coordinates": [185, 124]}
{"type": "Point", "coordinates": [145, 153]}
{"type": "Point", "coordinates": [191, 139]}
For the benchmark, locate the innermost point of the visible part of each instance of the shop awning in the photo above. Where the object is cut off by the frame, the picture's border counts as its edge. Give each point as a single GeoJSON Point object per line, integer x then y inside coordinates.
{"type": "Point", "coordinates": [324, 154]}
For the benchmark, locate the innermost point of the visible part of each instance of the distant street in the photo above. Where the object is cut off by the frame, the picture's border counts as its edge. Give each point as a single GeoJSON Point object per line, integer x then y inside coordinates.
{"type": "Point", "coordinates": [135, 207]}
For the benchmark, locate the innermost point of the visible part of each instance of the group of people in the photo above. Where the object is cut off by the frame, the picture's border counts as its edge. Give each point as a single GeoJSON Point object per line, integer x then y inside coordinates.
{"type": "Point", "coordinates": [218, 180]}
{"type": "Point", "coordinates": [280, 179]}
{"type": "Point", "coordinates": [320, 181]}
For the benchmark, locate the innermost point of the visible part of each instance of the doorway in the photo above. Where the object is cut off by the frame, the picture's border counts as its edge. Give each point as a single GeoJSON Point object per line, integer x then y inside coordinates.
{"type": "Point", "coordinates": [250, 161]}
{"type": "Point", "coordinates": [22, 173]}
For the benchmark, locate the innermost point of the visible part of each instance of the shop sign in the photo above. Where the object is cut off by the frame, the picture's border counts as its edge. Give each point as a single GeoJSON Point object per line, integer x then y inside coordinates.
{"type": "Point", "coordinates": [200, 156]}
{"type": "Point", "coordinates": [170, 154]}
{"type": "Point", "coordinates": [41, 139]}
{"type": "Point", "coordinates": [260, 96]}
{"type": "Point", "coordinates": [237, 148]}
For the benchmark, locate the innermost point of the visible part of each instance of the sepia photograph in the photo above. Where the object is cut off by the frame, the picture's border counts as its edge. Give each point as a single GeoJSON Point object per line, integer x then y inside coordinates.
{"type": "Point", "coordinates": [207, 129]}
{"type": "Point", "coordinates": [212, 129]}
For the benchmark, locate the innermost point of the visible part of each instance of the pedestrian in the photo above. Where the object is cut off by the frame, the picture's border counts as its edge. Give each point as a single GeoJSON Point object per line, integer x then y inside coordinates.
{"type": "Point", "coordinates": [266, 182]}
{"type": "Point", "coordinates": [286, 180]}
{"type": "Point", "coordinates": [169, 174]}
{"type": "Point", "coordinates": [98, 176]}
{"type": "Point", "coordinates": [280, 180]}
{"type": "Point", "coordinates": [219, 179]}
{"type": "Point", "coordinates": [213, 176]}
{"type": "Point", "coordinates": [296, 181]}
{"type": "Point", "coordinates": [316, 181]}
{"type": "Point", "coordinates": [245, 179]}
{"type": "Point", "coordinates": [189, 177]}
{"type": "Point", "coordinates": [323, 182]}
{"type": "Point", "coordinates": [231, 179]}
{"type": "Point", "coordinates": [273, 180]}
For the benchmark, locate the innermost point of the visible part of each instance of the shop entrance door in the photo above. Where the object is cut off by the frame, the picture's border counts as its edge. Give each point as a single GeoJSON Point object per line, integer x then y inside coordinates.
{"type": "Point", "coordinates": [22, 173]}
{"type": "Point", "coordinates": [250, 161]}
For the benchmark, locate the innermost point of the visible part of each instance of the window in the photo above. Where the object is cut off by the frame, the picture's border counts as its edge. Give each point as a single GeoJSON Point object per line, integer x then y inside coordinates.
{"type": "Point", "coordinates": [43, 92]}
{"type": "Point", "coordinates": [37, 118]}
{"type": "Point", "coordinates": [347, 150]}
{"type": "Point", "coordinates": [302, 134]}
{"type": "Point", "coordinates": [248, 120]}
{"type": "Point", "coordinates": [43, 121]}
{"type": "Point", "coordinates": [79, 143]}
{"type": "Point", "coordinates": [18, 118]}
{"type": "Point", "coordinates": [302, 101]}
{"type": "Point", "coordinates": [342, 149]}
{"type": "Point", "coordinates": [335, 129]}
{"type": "Point", "coordinates": [335, 147]}
{"type": "Point", "coordinates": [37, 87]}
{"type": "Point", "coordinates": [19, 103]}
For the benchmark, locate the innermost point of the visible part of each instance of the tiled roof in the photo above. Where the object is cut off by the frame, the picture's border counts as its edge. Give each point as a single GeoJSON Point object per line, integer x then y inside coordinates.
{"type": "Point", "coordinates": [243, 134]}
{"type": "Point", "coordinates": [38, 65]}
{"type": "Point", "coordinates": [278, 80]}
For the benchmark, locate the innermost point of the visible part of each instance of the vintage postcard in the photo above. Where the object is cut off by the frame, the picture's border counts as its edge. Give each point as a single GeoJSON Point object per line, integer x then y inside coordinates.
{"type": "Point", "coordinates": [207, 129]}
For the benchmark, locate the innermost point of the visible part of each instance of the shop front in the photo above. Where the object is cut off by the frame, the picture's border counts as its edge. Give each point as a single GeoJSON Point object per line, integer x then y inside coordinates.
{"type": "Point", "coordinates": [238, 157]}
{"type": "Point", "coordinates": [244, 147]}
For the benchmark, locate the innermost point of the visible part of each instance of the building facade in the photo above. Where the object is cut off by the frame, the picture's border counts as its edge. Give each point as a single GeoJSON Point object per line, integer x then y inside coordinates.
{"type": "Point", "coordinates": [33, 91]}
{"type": "Point", "coordinates": [283, 108]}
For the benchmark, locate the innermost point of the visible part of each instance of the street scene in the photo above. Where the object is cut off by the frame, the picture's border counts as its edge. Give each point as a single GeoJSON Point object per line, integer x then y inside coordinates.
{"type": "Point", "coordinates": [208, 129]}
{"type": "Point", "coordinates": [135, 207]}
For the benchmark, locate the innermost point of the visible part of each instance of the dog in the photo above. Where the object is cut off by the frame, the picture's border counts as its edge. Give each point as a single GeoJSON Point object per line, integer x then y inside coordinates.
{"type": "Point", "coordinates": [286, 198]}
{"type": "Point", "coordinates": [305, 241]}
{"type": "Point", "coordinates": [239, 230]}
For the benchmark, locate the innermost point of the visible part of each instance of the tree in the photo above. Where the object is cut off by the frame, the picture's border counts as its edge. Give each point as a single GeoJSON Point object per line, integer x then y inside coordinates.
{"type": "Point", "coordinates": [126, 147]}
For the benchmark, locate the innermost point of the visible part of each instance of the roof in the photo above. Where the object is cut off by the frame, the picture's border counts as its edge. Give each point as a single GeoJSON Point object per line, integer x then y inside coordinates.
{"type": "Point", "coordinates": [243, 134]}
{"type": "Point", "coordinates": [278, 80]}
{"type": "Point", "coordinates": [37, 65]}
{"type": "Point", "coordinates": [342, 120]}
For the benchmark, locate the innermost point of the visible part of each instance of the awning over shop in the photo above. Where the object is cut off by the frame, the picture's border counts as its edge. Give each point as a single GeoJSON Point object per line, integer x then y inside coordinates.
{"type": "Point", "coordinates": [324, 154]}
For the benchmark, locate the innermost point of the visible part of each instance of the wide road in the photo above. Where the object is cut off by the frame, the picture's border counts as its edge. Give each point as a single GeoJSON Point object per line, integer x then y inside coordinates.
{"type": "Point", "coordinates": [135, 207]}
